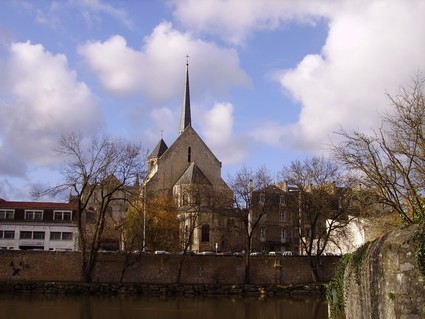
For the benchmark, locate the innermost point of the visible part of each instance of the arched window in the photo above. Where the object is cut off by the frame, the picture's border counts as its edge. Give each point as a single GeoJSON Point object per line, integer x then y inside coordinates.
{"type": "Point", "coordinates": [189, 154]}
{"type": "Point", "coordinates": [185, 199]}
{"type": "Point", "coordinates": [205, 236]}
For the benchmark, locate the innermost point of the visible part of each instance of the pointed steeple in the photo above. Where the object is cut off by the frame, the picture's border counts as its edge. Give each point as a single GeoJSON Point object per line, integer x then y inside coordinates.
{"type": "Point", "coordinates": [185, 119]}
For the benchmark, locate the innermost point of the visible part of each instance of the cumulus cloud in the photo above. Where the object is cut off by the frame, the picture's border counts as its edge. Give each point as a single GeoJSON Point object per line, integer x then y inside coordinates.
{"type": "Point", "coordinates": [41, 100]}
{"type": "Point", "coordinates": [217, 128]}
{"type": "Point", "coordinates": [155, 71]}
{"type": "Point", "coordinates": [372, 48]}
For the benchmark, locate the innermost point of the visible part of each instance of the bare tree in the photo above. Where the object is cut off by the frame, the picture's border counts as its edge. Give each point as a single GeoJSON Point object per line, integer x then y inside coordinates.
{"type": "Point", "coordinates": [98, 173]}
{"type": "Point", "coordinates": [391, 160]}
{"type": "Point", "coordinates": [246, 184]}
{"type": "Point", "coordinates": [322, 207]}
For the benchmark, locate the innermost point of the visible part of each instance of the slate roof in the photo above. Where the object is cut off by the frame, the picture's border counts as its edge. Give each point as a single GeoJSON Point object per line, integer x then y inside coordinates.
{"type": "Point", "coordinates": [159, 149]}
{"type": "Point", "coordinates": [193, 175]}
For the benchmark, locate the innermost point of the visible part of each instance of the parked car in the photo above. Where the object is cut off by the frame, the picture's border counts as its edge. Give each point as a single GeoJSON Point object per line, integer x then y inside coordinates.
{"type": "Point", "coordinates": [161, 252]}
{"type": "Point", "coordinates": [239, 253]}
{"type": "Point", "coordinates": [256, 253]}
{"type": "Point", "coordinates": [224, 253]}
{"type": "Point", "coordinates": [288, 253]}
{"type": "Point", "coordinates": [206, 253]}
{"type": "Point", "coordinates": [275, 253]}
{"type": "Point", "coordinates": [188, 252]}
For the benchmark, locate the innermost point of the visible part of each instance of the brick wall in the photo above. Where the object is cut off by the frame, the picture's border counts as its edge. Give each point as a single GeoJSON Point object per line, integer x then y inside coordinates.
{"type": "Point", "coordinates": [66, 266]}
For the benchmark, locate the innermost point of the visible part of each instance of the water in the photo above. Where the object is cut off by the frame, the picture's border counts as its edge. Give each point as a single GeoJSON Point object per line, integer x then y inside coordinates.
{"type": "Point", "coordinates": [135, 307]}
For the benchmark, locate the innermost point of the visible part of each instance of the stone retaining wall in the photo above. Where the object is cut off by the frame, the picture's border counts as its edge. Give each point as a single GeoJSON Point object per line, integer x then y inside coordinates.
{"type": "Point", "coordinates": [160, 269]}
{"type": "Point", "coordinates": [385, 282]}
{"type": "Point", "coordinates": [61, 288]}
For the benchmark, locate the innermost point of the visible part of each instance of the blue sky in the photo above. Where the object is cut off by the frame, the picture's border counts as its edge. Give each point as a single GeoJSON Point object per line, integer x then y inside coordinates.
{"type": "Point", "coordinates": [271, 80]}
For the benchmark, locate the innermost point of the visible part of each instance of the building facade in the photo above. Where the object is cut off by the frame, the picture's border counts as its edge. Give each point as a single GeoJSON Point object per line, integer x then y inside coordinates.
{"type": "Point", "coordinates": [290, 219]}
{"type": "Point", "coordinates": [38, 226]}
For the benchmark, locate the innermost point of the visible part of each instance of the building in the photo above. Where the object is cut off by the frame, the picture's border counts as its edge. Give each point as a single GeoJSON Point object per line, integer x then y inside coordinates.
{"type": "Point", "coordinates": [38, 226]}
{"type": "Point", "coordinates": [277, 213]}
{"type": "Point", "coordinates": [188, 172]}
{"type": "Point", "coordinates": [292, 220]}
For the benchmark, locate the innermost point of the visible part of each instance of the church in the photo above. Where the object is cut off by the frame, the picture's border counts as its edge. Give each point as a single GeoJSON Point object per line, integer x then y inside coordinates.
{"type": "Point", "coordinates": [189, 173]}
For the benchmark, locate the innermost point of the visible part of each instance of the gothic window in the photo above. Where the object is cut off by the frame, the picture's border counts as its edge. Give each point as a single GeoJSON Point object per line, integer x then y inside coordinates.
{"type": "Point", "coordinates": [189, 154]}
{"type": "Point", "coordinates": [185, 199]}
{"type": "Point", "coordinates": [197, 199]}
{"type": "Point", "coordinates": [205, 236]}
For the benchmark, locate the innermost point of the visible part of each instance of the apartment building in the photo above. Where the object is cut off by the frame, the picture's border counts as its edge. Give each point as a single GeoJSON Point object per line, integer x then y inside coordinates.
{"type": "Point", "coordinates": [38, 226]}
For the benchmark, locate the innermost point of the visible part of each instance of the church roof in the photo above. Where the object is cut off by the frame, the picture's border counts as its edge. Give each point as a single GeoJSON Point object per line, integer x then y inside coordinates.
{"type": "Point", "coordinates": [193, 175]}
{"type": "Point", "coordinates": [159, 149]}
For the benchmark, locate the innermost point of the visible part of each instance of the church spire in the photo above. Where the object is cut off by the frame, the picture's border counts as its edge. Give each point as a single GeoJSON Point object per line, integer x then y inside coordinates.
{"type": "Point", "coordinates": [185, 119]}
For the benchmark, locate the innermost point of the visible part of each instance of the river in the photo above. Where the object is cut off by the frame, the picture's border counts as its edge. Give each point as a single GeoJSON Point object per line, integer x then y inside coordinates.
{"type": "Point", "coordinates": [135, 307]}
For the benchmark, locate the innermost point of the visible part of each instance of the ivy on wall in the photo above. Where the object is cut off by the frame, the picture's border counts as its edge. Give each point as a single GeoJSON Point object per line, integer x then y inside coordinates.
{"type": "Point", "coordinates": [335, 289]}
{"type": "Point", "coordinates": [420, 248]}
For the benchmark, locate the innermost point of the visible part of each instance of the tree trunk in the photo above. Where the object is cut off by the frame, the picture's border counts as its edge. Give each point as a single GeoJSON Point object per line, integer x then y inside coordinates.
{"type": "Point", "coordinates": [314, 262]}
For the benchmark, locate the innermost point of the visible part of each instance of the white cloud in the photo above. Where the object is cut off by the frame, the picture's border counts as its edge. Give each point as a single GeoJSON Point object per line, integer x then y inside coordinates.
{"type": "Point", "coordinates": [156, 70]}
{"type": "Point", "coordinates": [217, 128]}
{"type": "Point", "coordinates": [92, 12]}
{"type": "Point", "coordinates": [42, 100]}
{"type": "Point", "coordinates": [91, 9]}
{"type": "Point", "coordinates": [373, 47]}
{"type": "Point", "coordinates": [235, 20]}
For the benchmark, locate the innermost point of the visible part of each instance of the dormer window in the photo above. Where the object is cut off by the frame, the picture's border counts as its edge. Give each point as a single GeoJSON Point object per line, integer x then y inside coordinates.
{"type": "Point", "coordinates": [62, 215]}
{"type": "Point", "coordinates": [34, 214]}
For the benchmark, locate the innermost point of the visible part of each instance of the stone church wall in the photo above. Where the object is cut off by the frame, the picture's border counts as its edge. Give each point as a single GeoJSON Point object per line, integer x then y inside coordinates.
{"type": "Point", "coordinates": [174, 162]}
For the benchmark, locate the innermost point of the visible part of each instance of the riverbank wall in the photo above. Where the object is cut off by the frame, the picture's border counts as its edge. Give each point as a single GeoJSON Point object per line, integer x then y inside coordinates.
{"type": "Point", "coordinates": [37, 266]}
{"type": "Point", "coordinates": [383, 279]}
{"type": "Point", "coordinates": [187, 290]}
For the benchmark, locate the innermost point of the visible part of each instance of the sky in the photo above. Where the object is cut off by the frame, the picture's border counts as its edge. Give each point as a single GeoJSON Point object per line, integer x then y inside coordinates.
{"type": "Point", "coordinates": [271, 81]}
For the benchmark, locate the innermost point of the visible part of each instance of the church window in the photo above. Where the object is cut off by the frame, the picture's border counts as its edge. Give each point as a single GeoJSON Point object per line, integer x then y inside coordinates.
{"type": "Point", "coordinates": [197, 199]}
{"type": "Point", "coordinates": [205, 236]}
{"type": "Point", "coordinates": [189, 154]}
{"type": "Point", "coordinates": [185, 199]}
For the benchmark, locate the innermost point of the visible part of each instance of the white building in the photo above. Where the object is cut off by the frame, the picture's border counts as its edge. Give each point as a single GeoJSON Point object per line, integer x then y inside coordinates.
{"type": "Point", "coordinates": [38, 226]}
